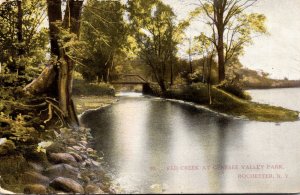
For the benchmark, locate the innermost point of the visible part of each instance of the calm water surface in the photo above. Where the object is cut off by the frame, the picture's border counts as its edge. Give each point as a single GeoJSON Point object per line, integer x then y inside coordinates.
{"type": "Point", "coordinates": [154, 145]}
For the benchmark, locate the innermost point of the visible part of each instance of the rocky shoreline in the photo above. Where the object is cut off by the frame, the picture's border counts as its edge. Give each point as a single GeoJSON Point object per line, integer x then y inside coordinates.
{"type": "Point", "coordinates": [65, 164]}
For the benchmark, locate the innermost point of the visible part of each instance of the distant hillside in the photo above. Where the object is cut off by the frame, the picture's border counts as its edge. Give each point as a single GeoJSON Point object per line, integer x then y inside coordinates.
{"type": "Point", "coordinates": [259, 80]}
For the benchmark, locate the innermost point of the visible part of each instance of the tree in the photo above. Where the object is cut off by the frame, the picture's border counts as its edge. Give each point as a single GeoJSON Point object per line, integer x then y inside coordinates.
{"type": "Point", "coordinates": [232, 28]}
{"type": "Point", "coordinates": [22, 40]}
{"type": "Point", "coordinates": [56, 79]}
{"type": "Point", "coordinates": [104, 33]}
{"type": "Point", "coordinates": [206, 48]}
{"type": "Point", "coordinates": [154, 30]}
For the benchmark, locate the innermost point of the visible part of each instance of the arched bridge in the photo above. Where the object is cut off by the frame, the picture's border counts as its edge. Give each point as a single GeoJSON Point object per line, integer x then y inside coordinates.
{"type": "Point", "coordinates": [132, 79]}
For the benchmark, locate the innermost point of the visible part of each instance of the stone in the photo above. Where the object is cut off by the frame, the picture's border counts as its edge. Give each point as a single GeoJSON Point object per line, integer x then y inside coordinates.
{"type": "Point", "coordinates": [78, 148]}
{"type": "Point", "coordinates": [56, 147]}
{"type": "Point", "coordinates": [6, 146]}
{"type": "Point", "coordinates": [90, 150]}
{"type": "Point", "coordinates": [62, 158]}
{"type": "Point", "coordinates": [31, 177]}
{"type": "Point", "coordinates": [93, 189]}
{"type": "Point", "coordinates": [72, 141]}
{"type": "Point", "coordinates": [77, 157]}
{"type": "Point", "coordinates": [67, 184]}
{"type": "Point", "coordinates": [35, 189]}
{"type": "Point", "coordinates": [36, 166]}
{"type": "Point", "coordinates": [62, 170]}
{"type": "Point", "coordinates": [84, 143]}
{"type": "Point", "coordinates": [95, 163]}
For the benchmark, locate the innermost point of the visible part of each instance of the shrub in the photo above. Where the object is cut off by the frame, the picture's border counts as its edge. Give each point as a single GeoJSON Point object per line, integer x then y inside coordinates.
{"type": "Point", "coordinates": [234, 88]}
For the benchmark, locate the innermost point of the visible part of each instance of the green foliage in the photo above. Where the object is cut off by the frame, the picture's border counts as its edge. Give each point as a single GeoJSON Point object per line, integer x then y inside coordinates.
{"type": "Point", "coordinates": [232, 27]}
{"type": "Point", "coordinates": [156, 34]}
{"type": "Point", "coordinates": [234, 88]}
{"type": "Point", "coordinates": [81, 87]}
{"type": "Point", "coordinates": [17, 131]}
{"type": "Point", "coordinates": [35, 38]}
{"type": "Point", "coordinates": [104, 33]}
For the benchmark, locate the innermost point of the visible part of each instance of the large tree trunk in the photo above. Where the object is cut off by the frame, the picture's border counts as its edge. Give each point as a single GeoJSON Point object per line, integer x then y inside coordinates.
{"type": "Point", "coordinates": [219, 9]}
{"type": "Point", "coordinates": [221, 58]}
{"type": "Point", "coordinates": [72, 22]}
{"type": "Point", "coordinates": [162, 85]}
{"type": "Point", "coordinates": [54, 16]}
{"type": "Point", "coordinates": [64, 66]}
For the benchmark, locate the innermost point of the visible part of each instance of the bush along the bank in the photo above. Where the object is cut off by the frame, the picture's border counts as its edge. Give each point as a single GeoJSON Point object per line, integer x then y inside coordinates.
{"type": "Point", "coordinates": [234, 88]}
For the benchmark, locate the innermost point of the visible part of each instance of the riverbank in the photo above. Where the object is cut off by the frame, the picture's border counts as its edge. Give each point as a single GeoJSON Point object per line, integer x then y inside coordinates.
{"type": "Point", "coordinates": [84, 103]}
{"type": "Point", "coordinates": [63, 163]}
{"type": "Point", "coordinates": [227, 103]}
{"type": "Point", "coordinates": [35, 159]}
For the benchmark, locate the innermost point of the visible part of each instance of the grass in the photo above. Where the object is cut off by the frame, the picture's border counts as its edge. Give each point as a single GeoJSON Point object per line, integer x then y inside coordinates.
{"type": "Point", "coordinates": [92, 95]}
{"type": "Point", "coordinates": [227, 103]}
{"type": "Point", "coordinates": [80, 87]}
{"type": "Point", "coordinates": [84, 103]}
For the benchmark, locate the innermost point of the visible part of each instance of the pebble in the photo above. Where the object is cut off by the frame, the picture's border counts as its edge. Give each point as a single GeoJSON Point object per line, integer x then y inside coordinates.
{"type": "Point", "coordinates": [35, 189]}
{"type": "Point", "coordinates": [93, 189]}
{"type": "Point", "coordinates": [62, 169]}
{"type": "Point", "coordinates": [62, 158]}
{"type": "Point", "coordinates": [67, 184]}
{"type": "Point", "coordinates": [77, 157]}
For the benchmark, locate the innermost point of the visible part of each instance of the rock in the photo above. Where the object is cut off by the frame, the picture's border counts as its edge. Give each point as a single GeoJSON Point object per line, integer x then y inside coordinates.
{"type": "Point", "coordinates": [56, 147]}
{"type": "Point", "coordinates": [71, 148]}
{"type": "Point", "coordinates": [66, 184]}
{"type": "Point", "coordinates": [84, 143]}
{"type": "Point", "coordinates": [62, 169]}
{"type": "Point", "coordinates": [78, 148]}
{"type": "Point", "coordinates": [62, 158]}
{"type": "Point", "coordinates": [84, 156]}
{"type": "Point", "coordinates": [90, 150]}
{"type": "Point", "coordinates": [36, 167]}
{"type": "Point", "coordinates": [72, 141]}
{"type": "Point", "coordinates": [31, 177]}
{"type": "Point", "coordinates": [6, 146]}
{"type": "Point", "coordinates": [97, 164]}
{"type": "Point", "coordinates": [93, 189]}
{"type": "Point", "coordinates": [35, 189]}
{"type": "Point", "coordinates": [76, 156]}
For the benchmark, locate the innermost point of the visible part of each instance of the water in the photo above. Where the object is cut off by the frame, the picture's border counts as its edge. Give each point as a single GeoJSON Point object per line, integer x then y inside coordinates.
{"type": "Point", "coordinates": [288, 97]}
{"type": "Point", "coordinates": [159, 146]}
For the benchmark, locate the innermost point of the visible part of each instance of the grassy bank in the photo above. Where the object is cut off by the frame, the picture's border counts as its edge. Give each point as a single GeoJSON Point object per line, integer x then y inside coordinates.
{"type": "Point", "coordinates": [92, 95]}
{"type": "Point", "coordinates": [229, 104]}
{"type": "Point", "coordinates": [81, 87]}
{"type": "Point", "coordinates": [84, 103]}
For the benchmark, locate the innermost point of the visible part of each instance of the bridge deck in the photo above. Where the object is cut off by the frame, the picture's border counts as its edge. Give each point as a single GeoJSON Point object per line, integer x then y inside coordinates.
{"type": "Point", "coordinates": [128, 83]}
{"type": "Point", "coordinates": [130, 79]}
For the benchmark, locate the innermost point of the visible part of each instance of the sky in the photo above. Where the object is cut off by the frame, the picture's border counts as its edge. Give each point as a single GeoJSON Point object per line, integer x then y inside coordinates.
{"type": "Point", "coordinates": [277, 53]}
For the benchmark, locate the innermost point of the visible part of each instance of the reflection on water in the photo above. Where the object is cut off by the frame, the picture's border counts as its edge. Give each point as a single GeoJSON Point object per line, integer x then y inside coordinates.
{"type": "Point", "coordinates": [161, 146]}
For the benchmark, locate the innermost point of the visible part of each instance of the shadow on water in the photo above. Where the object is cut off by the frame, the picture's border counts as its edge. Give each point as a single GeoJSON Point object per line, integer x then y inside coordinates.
{"type": "Point", "coordinates": [145, 138]}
